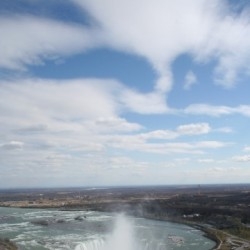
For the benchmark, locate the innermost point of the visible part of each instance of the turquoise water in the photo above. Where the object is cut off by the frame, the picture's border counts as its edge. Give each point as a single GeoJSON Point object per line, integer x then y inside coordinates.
{"type": "Point", "coordinates": [88, 230]}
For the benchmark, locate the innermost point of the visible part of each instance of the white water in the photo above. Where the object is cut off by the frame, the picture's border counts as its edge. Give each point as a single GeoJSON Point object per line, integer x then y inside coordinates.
{"type": "Point", "coordinates": [122, 238]}
{"type": "Point", "coordinates": [91, 245]}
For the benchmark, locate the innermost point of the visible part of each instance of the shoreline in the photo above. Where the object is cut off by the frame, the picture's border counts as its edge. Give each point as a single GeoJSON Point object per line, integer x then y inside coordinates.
{"type": "Point", "coordinates": [222, 239]}
{"type": "Point", "coordinates": [201, 227]}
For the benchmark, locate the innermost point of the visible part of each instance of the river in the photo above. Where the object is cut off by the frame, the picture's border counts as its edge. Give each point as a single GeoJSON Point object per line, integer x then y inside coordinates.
{"type": "Point", "coordinates": [41, 229]}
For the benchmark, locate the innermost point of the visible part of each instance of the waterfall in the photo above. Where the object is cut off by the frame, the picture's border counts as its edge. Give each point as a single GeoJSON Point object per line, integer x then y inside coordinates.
{"type": "Point", "coordinates": [124, 237]}
{"type": "Point", "coordinates": [121, 238]}
{"type": "Point", "coordinates": [91, 245]}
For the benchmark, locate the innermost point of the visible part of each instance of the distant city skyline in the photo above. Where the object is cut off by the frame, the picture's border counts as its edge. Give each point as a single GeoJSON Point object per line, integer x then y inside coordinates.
{"type": "Point", "coordinates": [114, 93]}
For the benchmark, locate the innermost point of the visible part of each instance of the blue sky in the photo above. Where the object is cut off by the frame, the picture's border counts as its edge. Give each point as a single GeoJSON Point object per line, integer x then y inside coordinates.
{"type": "Point", "coordinates": [96, 93]}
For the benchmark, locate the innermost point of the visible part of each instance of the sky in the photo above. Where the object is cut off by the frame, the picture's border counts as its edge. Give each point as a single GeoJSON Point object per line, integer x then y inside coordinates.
{"type": "Point", "coordinates": [126, 92]}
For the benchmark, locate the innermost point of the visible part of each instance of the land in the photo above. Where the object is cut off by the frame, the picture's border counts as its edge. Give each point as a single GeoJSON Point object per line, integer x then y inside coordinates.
{"type": "Point", "coordinates": [221, 211]}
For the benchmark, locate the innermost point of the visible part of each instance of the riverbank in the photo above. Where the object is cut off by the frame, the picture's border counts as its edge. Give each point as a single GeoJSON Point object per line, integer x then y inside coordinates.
{"type": "Point", "coordinates": [227, 241]}
{"type": "Point", "coordinates": [208, 232]}
{"type": "Point", "coordinates": [222, 239]}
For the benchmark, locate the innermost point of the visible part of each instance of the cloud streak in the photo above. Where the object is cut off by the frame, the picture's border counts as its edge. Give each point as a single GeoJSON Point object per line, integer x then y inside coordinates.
{"type": "Point", "coordinates": [242, 158]}
{"type": "Point", "coordinates": [190, 80]}
{"type": "Point", "coordinates": [28, 40]}
{"type": "Point", "coordinates": [217, 111]}
{"type": "Point", "coordinates": [12, 145]}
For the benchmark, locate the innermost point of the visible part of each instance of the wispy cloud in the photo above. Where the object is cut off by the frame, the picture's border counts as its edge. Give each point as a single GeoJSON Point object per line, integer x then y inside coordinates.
{"type": "Point", "coordinates": [224, 130]}
{"type": "Point", "coordinates": [190, 80]}
{"type": "Point", "coordinates": [246, 149]}
{"type": "Point", "coordinates": [30, 40]}
{"type": "Point", "coordinates": [12, 145]}
{"type": "Point", "coordinates": [210, 110]}
{"type": "Point", "coordinates": [242, 158]}
{"type": "Point", "coordinates": [205, 160]}
{"type": "Point", "coordinates": [152, 103]}
{"type": "Point", "coordinates": [194, 129]}
{"type": "Point", "coordinates": [36, 100]}
{"type": "Point", "coordinates": [207, 30]}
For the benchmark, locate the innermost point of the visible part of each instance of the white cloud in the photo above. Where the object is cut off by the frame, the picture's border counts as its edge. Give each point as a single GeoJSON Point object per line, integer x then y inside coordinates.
{"type": "Point", "coordinates": [207, 30]}
{"type": "Point", "coordinates": [154, 141]}
{"type": "Point", "coordinates": [72, 125]}
{"type": "Point", "coordinates": [70, 115]}
{"type": "Point", "coordinates": [224, 130]}
{"type": "Point", "coordinates": [233, 55]}
{"type": "Point", "coordinates": [12, 145]}
{"type": "Point", "coordinates": [190, 80]}
{"type": "Point", "coordinates": [153, 33]}
{"type": "Point", "coordinates": [211, 144]}
{"type": "Point", "coordinates": [159, 134]}
{"type": "Point", "coordinates": [205, 109]}
{"type": "Point", "coordinates": [30, 40]}
{"type": "Point", "coordinates": [207, 160]}
{"type": "Point", "coordinates": [243, 109]}
{"type": "Point", "coordinates": [151, 29]}
{"type": "Point", "coordinates": [210, 110]}
{"type": "Point", "coordinates": [242, 158]}
{"type": "Point", "coordinates": [182, 160]}
{"type": "Point", "coordinates": [187, 129]}
{"type": "Point", "coordinates": [50, 102]}
{"type": "Point", "coordinates": [246, 149]}
{"type": "Point", "coordinates": [114, 124]}
{"type": "Point", "coordinates": [222, 174]}
{"type": "Point", "coordinates": [36, 106]}
{"type": "Point", "coordinates": [141, 143]}
{"type": "Point", "coordinates": [75, 126]}
{"type": "Point", "coordinates": [152, 103]}
{"type": "Point", "coordinates": [194, 129]}
{"type": "Point", "coordinates": [129, 164]}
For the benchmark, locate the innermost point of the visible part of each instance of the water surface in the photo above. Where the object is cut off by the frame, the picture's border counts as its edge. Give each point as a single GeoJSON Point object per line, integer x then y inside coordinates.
{"type": "Point", "coordinates": [48, 229]}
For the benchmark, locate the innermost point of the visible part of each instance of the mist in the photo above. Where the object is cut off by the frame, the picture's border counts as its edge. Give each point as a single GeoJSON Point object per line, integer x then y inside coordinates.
{"type": "Point", "coordinates": [122, 237]}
